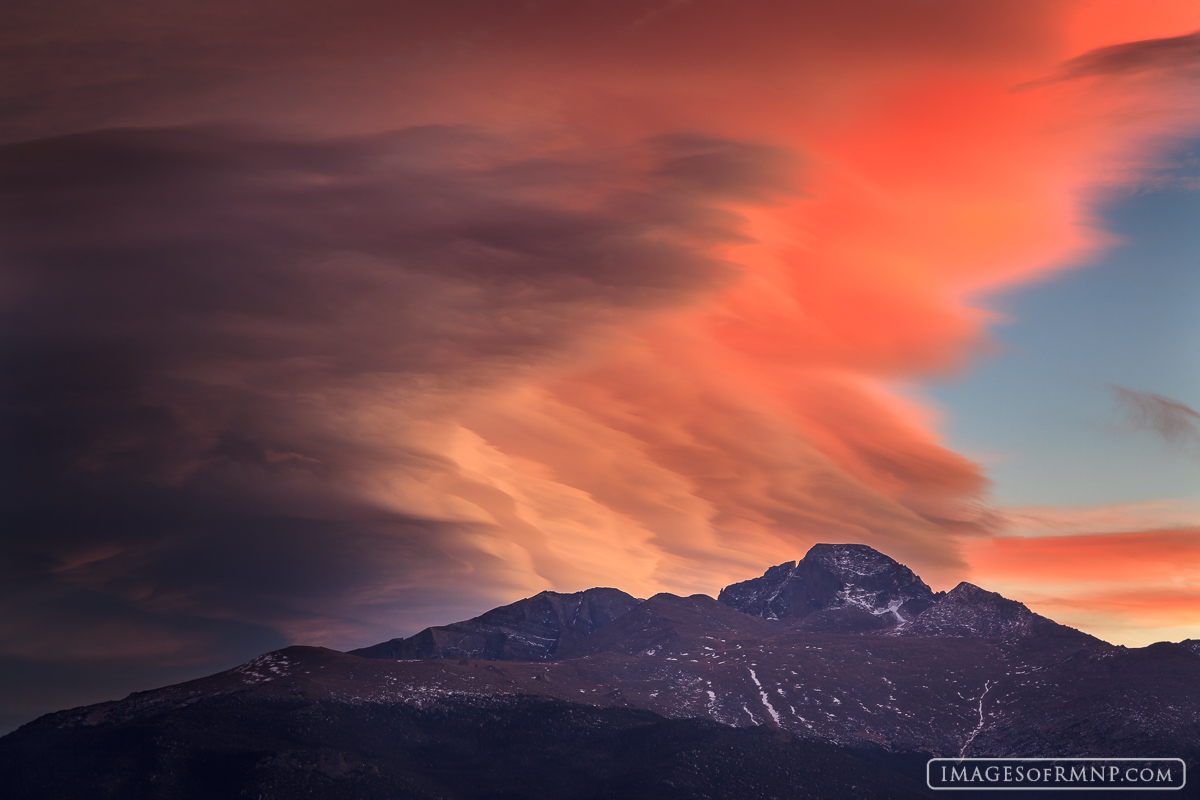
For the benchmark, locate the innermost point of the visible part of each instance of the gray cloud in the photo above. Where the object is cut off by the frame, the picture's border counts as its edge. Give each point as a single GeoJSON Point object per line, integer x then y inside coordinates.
{"type": "Point", "coordinates": [183, 291]}
{"type": "Point", "coordinates": [1173, 53]}
{"type": "Point", "coordinates": [1176, 423]}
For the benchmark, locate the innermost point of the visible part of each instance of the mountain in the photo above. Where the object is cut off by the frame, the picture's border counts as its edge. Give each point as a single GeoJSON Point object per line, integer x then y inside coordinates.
{"type": "Point", "coordinates": [968, 611]}
{"type": "Point", "coordinates": [314, 723]}
{"type": "Point", "coordinates": [838, 588]}
{"type": "Point", "coordinates": [667, 623]}
{"type": "Point", "coordinates": [532, 629]}
{"type": "Point", "coordinates": [776, 689]}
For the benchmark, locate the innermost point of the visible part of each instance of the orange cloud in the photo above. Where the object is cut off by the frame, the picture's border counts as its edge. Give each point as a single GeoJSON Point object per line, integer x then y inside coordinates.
{"type": "Point", "coordinates": [1156, 557]}
{"type": "Point", "coordinates": [933, 190]}
{"type": "Point", "coordinates": [1133, 588]}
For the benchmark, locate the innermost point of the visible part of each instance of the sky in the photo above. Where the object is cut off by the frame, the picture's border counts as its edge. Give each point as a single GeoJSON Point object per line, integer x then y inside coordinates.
{"type": "Point", "coordinates": [323, 323]}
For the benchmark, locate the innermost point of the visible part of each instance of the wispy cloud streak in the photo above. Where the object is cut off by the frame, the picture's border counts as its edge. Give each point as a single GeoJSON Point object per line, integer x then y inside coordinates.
{"type": "Point", "coordinates": [1177, 424]}
{"type": "Point", "coordinates": [1168, 54]}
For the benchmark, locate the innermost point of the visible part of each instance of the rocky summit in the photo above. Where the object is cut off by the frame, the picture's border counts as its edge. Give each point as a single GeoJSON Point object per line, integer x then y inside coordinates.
{"type": "Point", "coordinates": [839, 588]}
{"type": "Point", "coordinates": [835, 676]}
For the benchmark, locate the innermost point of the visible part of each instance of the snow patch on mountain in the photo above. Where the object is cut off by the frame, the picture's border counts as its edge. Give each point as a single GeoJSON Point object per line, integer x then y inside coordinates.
{"type": "Point", "coordinates": [766, 701]}
{"type": "Point", "coordinates": [264, 668]}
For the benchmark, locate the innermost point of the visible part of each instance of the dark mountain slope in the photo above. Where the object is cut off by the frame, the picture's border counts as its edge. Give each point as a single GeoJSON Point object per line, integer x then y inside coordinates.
{"type": "Point", "coordinates": [665, 621]}
{"type": "Point", "coordinates": [532, 629]}
{"type": "Point", "coordinates": [1119, 701]}
{"type": "Point", "coordinates": [970, 612]}
{"type": "Point", "coordinates": [292, 736]}
{"type": "Point", "coordinates": [307, 722]}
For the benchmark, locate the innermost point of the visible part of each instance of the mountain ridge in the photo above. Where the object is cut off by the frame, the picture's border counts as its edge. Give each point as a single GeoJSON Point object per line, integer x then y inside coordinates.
{"type": "Point", "coordinates": [531, 629]}
{"type": "Point", "coordinates": [835, 588]}
{"type": "Point", "coordinates": [971, 674]}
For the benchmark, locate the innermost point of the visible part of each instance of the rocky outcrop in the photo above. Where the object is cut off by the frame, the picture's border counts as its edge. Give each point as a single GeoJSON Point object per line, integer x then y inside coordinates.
{"type": "Point", "coordinates": [968, 611]}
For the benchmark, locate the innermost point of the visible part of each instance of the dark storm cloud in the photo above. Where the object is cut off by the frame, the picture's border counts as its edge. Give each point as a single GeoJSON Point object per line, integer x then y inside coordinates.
{"type": "Point", "coordinates": [216, 342]}
{"type": "Point", "coordinates": [158, 275]}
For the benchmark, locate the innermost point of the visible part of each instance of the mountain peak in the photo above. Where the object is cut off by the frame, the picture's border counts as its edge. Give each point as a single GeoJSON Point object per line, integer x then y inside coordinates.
{"type": "Point", "coordinates": [835, 588]}
{"type": "Point", "coordinates": [851, 559]}
{"type": "Point", "coordinates": [969, 611]}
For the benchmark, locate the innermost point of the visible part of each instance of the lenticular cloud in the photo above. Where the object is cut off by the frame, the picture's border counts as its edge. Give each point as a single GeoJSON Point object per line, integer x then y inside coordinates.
{"type": "Point", "coordinates": [221, 331]}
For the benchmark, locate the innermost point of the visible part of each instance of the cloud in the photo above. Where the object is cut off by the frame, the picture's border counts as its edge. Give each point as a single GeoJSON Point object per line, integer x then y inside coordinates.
{"type": "Point", "coordinates": [310, 385]}
{"type": "Point", "coordinates": [1180, 54]}
{"type": "Point", "coordinates": [235, 363]}
{"type": "Point", "coordinates": [1061, 521]}
{"type": "Point", "coordinates": [325, 322]}
{"type": "Point", "coordinates": [1134, 587]}
{"type": "Point", "coordinates": [322, 66]}
{"type": "Point", "coordinates": [1174, 422]}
